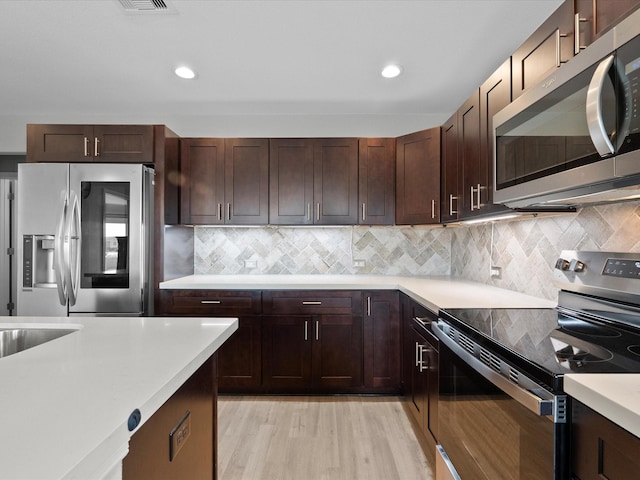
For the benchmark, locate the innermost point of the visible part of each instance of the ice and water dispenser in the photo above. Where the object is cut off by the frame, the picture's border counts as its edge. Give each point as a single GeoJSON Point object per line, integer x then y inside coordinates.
{"type": "Point", "coordinates": [38, 262]}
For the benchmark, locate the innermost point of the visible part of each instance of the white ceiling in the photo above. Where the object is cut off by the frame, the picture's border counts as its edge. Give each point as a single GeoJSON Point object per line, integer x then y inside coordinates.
{"type": "Point", "coordinates": [265, 68]}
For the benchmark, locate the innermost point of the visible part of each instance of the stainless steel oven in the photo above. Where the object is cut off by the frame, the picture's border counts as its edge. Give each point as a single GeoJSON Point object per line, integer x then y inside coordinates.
{"type": "Point", "coordinates": [503, 413]}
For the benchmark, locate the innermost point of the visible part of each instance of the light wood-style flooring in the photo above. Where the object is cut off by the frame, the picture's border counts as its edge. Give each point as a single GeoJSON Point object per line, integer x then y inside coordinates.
{"type": "Point", "coordinates": [317, 438]}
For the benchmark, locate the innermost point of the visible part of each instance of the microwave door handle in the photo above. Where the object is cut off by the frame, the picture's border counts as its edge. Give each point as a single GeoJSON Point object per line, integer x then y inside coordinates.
{"type": "Point", "coordinates": [59, 251]}
{"type": "Point", "coordinates": [595, 122]}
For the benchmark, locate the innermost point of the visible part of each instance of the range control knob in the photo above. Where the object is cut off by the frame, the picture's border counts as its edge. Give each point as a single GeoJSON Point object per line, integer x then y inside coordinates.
{"type": "Point", "coordinates": [577, 266]}
{"type": "Point", "coordinates": [562, 264]}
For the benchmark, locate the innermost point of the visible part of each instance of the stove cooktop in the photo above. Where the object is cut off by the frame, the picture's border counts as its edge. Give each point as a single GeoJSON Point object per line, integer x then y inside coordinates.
{"type": "Point", "coordinates": [548, 343]}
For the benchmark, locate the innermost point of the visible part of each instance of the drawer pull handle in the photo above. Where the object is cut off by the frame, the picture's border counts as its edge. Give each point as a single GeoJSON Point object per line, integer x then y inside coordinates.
{"type": "Point", "coordinates": [214, 302]}
{"type": "Point", "coordinates": [311, 303]}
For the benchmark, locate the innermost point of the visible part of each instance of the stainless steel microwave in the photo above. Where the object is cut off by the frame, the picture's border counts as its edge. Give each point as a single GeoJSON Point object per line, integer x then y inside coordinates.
{"type": "Point", "coordinates": [574, 139]}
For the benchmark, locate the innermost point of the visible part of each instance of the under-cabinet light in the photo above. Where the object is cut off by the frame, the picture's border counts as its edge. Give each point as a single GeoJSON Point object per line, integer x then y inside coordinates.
{"type": "Point", "coordinates": [185, 72]}
{"type": "Point", "coordinates": [391, 71]}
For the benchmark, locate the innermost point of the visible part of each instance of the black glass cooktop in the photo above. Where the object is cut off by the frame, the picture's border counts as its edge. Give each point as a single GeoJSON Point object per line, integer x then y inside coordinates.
{"type": "Point", "coordinates": [547, 343]}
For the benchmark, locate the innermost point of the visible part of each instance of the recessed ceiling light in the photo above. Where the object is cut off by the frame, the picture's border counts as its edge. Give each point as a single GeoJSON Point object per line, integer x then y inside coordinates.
{"type": "Point", "coordinates": [391, 71]}
{"type": "Point", "coordinates": [185, 72]}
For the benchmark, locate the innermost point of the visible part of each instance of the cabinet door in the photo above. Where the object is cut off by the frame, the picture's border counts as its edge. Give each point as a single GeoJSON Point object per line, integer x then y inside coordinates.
{"type": "Point", "coordinates": [449, 179]}
{"type": "Point", "coordinates": [495, 94]}
{"type": "Point", "coordinates": [418, 178]}
{"type": "Point", "coordinates": [418, 397]}
{"type": "Point", "coordinates": [382, 340]}
{"type": "Point", "coordinates": [287, 353]}
{"type": "Point", "coordinates": [469, 155]}
{"type": "Point", "coordinates": [123, 143]}
{"type": "Point", "coordinates": [594, 17]}
{"type": "Point", "coordinates": [377, 197]}
{"type": "Point", "coordinates": [337, 352]}
{"type": "Point", "coordinates": [240, 358]}
{"type": "Point", "coordinates": [335, 180]}
{"type": "Point", "coordinates": [202, 168]}
{"type": "Point", "coordinates": [246, 181]}
{"type": "Point", "coordinates": [59, 143]}
{"type": "Point", "coordinates": [290, 182]}
{"type": "Point", "coordinates": [546, 49]}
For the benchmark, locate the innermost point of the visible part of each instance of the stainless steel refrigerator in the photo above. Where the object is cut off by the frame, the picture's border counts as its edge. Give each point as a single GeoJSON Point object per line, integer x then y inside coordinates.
{"type": "Point", "coordinates": [84, 239]}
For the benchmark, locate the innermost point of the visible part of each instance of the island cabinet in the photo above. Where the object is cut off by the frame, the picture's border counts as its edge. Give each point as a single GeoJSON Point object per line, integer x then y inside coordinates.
{"type": "Point", "coordinates": [90, 143]}
{"type": "Point", "coordinates": [382, 346]}
{"type": "Point", "coordinates": [313, 181]}
{"type": "Point", "coordinates": [377, 197]}
{"type": "Point", "coordinates": [240, 357]}
{"type": "Point", "coordinates": [224, 181]}
{"type": "Point", "coordinates": [418, 178]}
{"type": "Point", "coordinates": [180, 439]}
{"type": "Point", "coordinates": [420, 370]}
{"type": "Point", "coordinates": [600, 448]}
{"type": "Point", "coordinates": [312, 341]}
{"type": "Point", "coordinates": [550, 46]}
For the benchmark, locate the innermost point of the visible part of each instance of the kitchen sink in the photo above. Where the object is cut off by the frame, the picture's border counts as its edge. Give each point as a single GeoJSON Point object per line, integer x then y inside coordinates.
{"type": "Point", "coordinates": [14, 340]}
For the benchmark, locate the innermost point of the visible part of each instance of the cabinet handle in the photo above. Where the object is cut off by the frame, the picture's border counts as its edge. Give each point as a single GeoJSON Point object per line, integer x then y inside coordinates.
{"type": "Point", "coordinates": [308, 211]}
{"type": "Point", "coordinates": [309, 302]}
{"type": "Point", "coordinates": [423, 365]}
{"type": "Point", "coordinates": [559, 36]}
{"type": "Point", "coordinates": [576, 36]}
{"type": "Point", "coordinates": [417, 354]}
{"type": "Point", "coordinates": [306, 330]}
{"type": "Point", "coordinates": [472, 192]}
{"type": "Point", "coordinates": [219, 212]}
{"type": "Point", "coordinates": [433, 208]}
{"type": "Point", "coordinates": [317, 330]}
{"type": "Point", "coordinates": [86, 147]}
{"type": "Point", "coordinates": [96, 150]}
{"type": "Point", "coordinates": [228, 211]}
{"type": "Point", "coordinates": [318, 211]}
{"type": "Point", "coordinates": [364, 211]}
{"type": "Point", "coordinates": [478, 195]}
{"type": "Point", "coordinates": [210, 302]}
{"type": "Point", "coordinates": [422, 321]}
{"type": "Point", "coordinates": [368, 306]}
{"type": "Point", "coordinates": [451, 199]}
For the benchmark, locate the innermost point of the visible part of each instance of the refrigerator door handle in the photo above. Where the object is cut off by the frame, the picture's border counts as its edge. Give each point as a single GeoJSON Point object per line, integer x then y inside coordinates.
{"type": "Point", "coordinates": [74, 234]}
{"type": "Point", "coordinates": [59, 264]}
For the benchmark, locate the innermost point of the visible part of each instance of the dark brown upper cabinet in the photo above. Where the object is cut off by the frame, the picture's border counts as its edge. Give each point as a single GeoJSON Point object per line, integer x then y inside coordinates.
{"type": "Point", "coordinates": [594, 17]}
{"type": "Point", "coordinates": [225, 181]}
{"type": "Point", "coordinates": [418, 178]}
{"type": "Point", "coordinates": [450, 196]}
{"type": "Point", "coordinates": [377, 197]}
{"type": "Point", "coordinates": [90, 143]}
{"type": "Point", "coordinates": [551, 45]}
{"type": "Point", "coordinates": [314, 181]}
{"type": "Point", "coordinates": [473, 178]}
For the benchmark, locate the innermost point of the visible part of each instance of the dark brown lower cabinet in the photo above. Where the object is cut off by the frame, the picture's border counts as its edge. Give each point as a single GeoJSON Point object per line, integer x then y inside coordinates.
{"type": "Point", "coordinates": [319, 353]}
{"type": "Point", "coordinates": [240, 358]}
{"type": "Point", "coordinates": [420, 371]}
{"type": "Point", "coordinates": [152, 454]}
{"type": "Point", "coordinates": [600, 449]}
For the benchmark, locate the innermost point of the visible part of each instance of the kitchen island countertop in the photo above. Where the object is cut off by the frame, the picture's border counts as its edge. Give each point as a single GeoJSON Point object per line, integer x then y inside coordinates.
{"type": "Point", "coordinates": [65, 404]}
{"type": "Point", "coordinates": [432, 292]}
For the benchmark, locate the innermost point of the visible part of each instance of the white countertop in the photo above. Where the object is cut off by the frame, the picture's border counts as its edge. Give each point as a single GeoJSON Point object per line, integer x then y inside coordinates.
{"type": "Point", "coordinates": [615, 396]}
{"type": "Point", "coordinates": [432, 292]}
{"type": "Point", "coordinates": [64, 405]}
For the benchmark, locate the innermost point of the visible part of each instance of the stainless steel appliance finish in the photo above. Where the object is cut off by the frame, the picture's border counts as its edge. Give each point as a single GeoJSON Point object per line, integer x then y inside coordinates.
{"type": "Point", "coordinates": [574, 139]}
{"type": "Point", "coordinates": [7, 246]}
{"type": "Point", "coordinates": [503, 411]}
{"type": "Point", "coordinates": [84, 235]}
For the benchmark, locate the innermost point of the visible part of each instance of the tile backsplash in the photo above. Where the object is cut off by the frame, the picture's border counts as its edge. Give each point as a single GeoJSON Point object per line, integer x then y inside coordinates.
{"type": "Point", "coordinates": [317, 250]}
{"type": "Point", "coordinates": [525, 250]}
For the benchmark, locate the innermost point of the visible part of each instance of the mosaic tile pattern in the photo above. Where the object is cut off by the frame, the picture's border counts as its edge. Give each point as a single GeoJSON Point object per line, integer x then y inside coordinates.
{"type": "Point", "coordinates": [305, 250]}
{"type": "Point", "coordinates": [526, 250]}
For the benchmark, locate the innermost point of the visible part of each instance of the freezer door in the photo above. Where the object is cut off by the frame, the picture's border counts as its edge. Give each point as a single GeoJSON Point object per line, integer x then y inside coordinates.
{"type": "Point", "coordinates": [109, 254]}
{"type": "Point", "coordinates": [41, 199]}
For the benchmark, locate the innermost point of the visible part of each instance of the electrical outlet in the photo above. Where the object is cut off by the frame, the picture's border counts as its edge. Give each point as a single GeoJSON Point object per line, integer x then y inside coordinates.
{"type": "Point", "coordinates": [496, 272]}
{"type": "Point", "coordinates": [250, 264]}
{"type": "Point", "coordinates": [359, 263]}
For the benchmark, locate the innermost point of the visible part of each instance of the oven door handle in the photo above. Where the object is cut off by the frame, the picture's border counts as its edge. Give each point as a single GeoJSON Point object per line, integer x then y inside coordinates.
{"type": "Point", "coordinates": [534, 403]}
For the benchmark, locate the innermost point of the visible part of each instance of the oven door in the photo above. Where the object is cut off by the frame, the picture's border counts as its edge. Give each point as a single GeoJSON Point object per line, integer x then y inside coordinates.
{"type": "Point", "coordinates": [488, 433]}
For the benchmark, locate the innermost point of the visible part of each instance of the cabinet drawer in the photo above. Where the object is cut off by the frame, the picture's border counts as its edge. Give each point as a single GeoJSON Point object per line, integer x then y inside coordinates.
{"type": "Point", "coordinates": [213, 302]}
{"type": "Point", "coordinates": [312, 302]}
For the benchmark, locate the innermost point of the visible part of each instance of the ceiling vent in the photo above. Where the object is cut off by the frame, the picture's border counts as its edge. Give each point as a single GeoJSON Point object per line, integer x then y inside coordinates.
{"type": "Point", "coordinates": [146, 6]}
